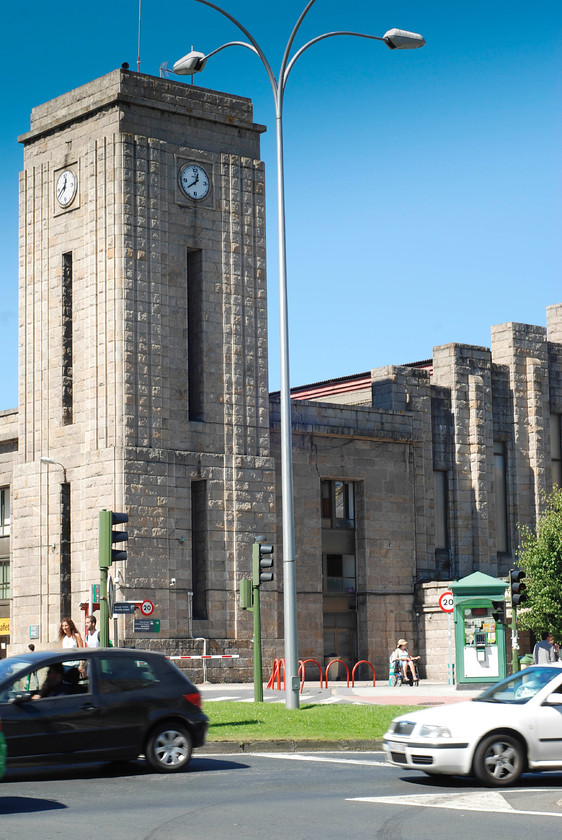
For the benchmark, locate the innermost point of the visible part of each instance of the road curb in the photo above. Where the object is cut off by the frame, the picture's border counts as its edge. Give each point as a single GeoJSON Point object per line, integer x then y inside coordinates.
{"type": "Point", "coordinates": [359, 745]}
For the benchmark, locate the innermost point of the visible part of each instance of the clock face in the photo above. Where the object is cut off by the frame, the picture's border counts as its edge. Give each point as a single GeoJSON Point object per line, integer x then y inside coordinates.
{"type": "Point", "coordinates": [66, 187]}
{"type": "Point", "coordinates": [194, 181]}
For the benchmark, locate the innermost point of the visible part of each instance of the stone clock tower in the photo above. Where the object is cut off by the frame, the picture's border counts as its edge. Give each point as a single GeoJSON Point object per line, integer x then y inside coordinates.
{"type": "Point", "coordinates": [143, 357]}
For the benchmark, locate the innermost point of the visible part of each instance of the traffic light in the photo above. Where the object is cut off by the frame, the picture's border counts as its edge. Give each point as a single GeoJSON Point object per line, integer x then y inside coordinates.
{"type": "Point", "coordinates": [107, 554]}
{"type": "Point", "coordinates": [498, 611]}
{"type": "Point", "coordinates": [262, 556]}
{"type": "Point", "coordinates": [246, 600]}
{"type": "Point", "coordinates": [518, 594]}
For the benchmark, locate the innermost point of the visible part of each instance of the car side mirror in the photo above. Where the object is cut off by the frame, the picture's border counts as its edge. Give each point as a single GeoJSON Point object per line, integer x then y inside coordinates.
{"type": "Point", "coordinates": [553, 699]}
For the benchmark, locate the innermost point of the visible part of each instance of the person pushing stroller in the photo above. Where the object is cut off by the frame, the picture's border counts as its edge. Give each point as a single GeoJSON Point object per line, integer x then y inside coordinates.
{"type": "Point", "coordinates": [406, 661]}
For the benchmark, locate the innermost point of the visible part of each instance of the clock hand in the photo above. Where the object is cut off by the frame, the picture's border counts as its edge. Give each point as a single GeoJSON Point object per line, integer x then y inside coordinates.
{"type": "Point", "coordinates": [62, 189]}
{"type": "Point", "coordinates": [193, 182]}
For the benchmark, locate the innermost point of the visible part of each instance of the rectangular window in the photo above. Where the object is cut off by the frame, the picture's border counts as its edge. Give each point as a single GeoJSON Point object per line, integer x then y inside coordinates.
{"type": "Point", "coordinates": [199, 548]}
{"type": "Point", "coordinates": [338, 504]}
{"type": "Point", "coordinates": [441, 509]}
{"type": "Point", "coordinates": [4, 579]}
{"type": "Point", "coordinates": [65, 543]}
{"type": "Point", "coordinates": [500, 483]}
{"type": "Point", "coordinates": [66, 298]}
{"type": "Point", "coordinates": [339, 574]}
{"type": "Point", "coordinates": [556, 448]}
{"type": "Point", "coordinates": [4, 511]}
{"type": "Point", "coordinates": [195, 343]}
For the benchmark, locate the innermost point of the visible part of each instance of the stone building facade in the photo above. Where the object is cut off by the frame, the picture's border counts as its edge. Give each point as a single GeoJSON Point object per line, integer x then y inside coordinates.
{"type": "Point", "coordinates": [143, 388]}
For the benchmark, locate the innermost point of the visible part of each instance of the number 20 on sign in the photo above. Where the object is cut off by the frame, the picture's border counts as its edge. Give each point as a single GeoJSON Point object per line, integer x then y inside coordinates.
{"type": "Point", "coordinates": [446, 602]}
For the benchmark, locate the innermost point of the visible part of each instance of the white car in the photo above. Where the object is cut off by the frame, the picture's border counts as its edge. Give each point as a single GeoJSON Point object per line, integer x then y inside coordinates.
{"type": "Point", "coordinates": [513, 726]}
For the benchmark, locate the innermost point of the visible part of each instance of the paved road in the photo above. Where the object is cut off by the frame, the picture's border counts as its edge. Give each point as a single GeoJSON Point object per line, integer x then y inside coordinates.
{"type": "Point", "coordinates": [300, 796]}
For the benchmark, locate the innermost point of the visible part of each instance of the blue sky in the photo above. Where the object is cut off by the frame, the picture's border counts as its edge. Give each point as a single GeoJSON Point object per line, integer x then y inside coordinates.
{"type": "Point", "coordinates": [422, 187]}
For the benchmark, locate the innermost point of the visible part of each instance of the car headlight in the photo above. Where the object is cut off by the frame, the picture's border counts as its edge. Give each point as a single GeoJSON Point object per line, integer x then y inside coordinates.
{"type": "Point", "coordinates": [429, 730]}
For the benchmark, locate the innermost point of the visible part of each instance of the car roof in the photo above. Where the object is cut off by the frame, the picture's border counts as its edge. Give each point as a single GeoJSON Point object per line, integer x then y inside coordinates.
{"type": "Point", "coordinates": [38, 657]}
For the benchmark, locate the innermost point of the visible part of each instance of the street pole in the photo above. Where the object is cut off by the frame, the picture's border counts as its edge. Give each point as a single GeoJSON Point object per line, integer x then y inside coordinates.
{"type": "Point", "coordinates": [514, 641]}
{"type": "Point", "coordinates": [104, 610]}
{"type": "Point", "coordinates": [192, 63]}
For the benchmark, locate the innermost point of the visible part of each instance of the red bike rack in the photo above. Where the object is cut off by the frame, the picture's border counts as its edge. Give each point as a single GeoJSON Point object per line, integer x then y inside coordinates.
{"type": "Point", "coordinates": [302, 670]}
{"type": "Point", "coordinates": [278, 664]}
{"type": "Point", "coordinates": [329, 665]}
{"type": "Point", "coordinates": [361, 662]}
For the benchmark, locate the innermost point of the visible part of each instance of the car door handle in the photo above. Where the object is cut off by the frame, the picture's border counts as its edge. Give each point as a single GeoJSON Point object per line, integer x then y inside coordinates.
{"type": "Point", "coordinates": [88, 707]}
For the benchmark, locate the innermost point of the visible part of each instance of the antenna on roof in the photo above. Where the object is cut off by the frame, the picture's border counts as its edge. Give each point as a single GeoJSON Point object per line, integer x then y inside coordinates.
{"type": "Point", "coordinates": [164, 72]}
{"type": "Point", "coordinates": [139, 39]}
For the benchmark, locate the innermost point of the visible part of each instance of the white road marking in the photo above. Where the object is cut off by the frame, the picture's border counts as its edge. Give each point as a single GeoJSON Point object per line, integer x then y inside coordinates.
{"type": "Point", "coordinates": [325, 759]}
{"type": "Point", "coordinates": [488, 801]}
{"type": "Point", "coordinates": [207, 699]}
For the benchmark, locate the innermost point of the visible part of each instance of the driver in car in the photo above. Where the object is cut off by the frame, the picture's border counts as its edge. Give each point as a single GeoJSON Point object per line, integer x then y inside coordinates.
{"type": "Point", "coordinates": [53, 684]}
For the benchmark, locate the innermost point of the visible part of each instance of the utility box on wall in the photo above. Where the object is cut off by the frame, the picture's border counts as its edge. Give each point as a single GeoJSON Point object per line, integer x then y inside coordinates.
{"type": "Point", "coordinates": [479, 637]}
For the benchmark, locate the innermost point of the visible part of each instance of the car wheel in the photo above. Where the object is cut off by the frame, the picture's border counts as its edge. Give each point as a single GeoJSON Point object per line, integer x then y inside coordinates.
{"type": "Point", "coordinates": [168, 749]}
{"type": "Point", "coordinates": [499, 760]}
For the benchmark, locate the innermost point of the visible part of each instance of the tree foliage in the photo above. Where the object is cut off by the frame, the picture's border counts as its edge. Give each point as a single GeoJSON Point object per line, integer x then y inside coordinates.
{"type": "Point", "coordinates": [540, 555]}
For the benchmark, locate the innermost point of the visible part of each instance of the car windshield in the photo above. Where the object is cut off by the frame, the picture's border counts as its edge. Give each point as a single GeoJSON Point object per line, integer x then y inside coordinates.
{"type": "Point", "coordinates": [522, 686]}
{"type": "Point", "coordinates": [12, 665]}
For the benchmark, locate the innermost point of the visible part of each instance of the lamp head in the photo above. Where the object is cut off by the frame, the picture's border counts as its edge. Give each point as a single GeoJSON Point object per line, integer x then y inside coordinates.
{"type": "Point", "coordinates": [191, 63]}
{"type": "Point", "coordinates": [400, 39]}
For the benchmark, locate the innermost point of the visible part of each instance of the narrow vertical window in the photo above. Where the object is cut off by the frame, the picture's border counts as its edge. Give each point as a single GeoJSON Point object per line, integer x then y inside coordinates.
{"type": "Point", "coordinates": [441, 524]}
{"type": "Point", "coordinates": [556, 448]}
{"type": "Point", "coordinates": [65, 543]}
{"type": "Point", "coordinates": [4, 542]}
{"type": "Point", "coordinates": [195, 346]}
{"type": "Point", "coordinates": [199, 548]}
{"type": "Point", "coordinates": [4, 511]}
{"type": "Point", "coordinates": [66, 296]}
{"type": "Point", "coordinates": [500, 482]}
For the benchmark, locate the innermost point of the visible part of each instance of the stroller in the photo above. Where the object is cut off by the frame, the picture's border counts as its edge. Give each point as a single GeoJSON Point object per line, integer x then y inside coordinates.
{"type": "Point", "coordinates": [396, 674]}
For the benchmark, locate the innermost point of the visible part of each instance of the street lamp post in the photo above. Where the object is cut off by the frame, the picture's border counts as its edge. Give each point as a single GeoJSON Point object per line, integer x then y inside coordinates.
{"type": "Point", "coordinates": [193, 63]}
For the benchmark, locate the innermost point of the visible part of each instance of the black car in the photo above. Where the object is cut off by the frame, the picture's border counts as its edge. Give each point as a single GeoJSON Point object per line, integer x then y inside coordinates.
{"type": "Point", "coordinates": [109, 704]}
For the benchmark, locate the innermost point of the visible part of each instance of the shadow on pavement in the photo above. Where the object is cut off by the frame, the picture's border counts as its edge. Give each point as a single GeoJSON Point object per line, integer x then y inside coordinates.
{"type": "Point", "coordinates": [27, 805]}
{"type": "Point", "coordinates": [115, 769]}
{"type": "Point", "coordinates": [527, 780]}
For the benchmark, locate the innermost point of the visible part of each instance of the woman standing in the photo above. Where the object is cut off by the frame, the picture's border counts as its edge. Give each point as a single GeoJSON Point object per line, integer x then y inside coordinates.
{"type": "Point", "coordinates": [69, 635]}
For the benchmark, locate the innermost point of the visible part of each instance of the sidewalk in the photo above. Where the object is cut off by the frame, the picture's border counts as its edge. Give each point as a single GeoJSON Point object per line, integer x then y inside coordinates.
{"type": "Point", "coordinates": [425, 694]}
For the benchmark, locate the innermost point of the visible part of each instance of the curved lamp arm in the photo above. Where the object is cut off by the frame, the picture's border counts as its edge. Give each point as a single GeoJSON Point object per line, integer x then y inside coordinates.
{"type": "Point", "coordinates": [321, 38]}
{"type": "Point", "coordinates": [232, 44]}
{"type": "Point", "coordinates": [282, 72]}
{"type": "Point", "coordinates": [255, 47]}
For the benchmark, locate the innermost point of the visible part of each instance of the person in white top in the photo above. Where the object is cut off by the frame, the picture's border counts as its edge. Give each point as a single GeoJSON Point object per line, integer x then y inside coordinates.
{"type": "Point", "coordinates": [92, 636]}
{"type": "Point", "coordinates": [69, 635]}
{"type": "Point", "coordinates": [70, 638]}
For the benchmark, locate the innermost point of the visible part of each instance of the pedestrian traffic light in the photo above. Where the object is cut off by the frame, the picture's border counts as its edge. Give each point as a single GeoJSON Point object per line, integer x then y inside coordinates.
{"type": "Point", "coordinates": [518, 594]}
{"type": "Point", "coordinates": [107, 554]}
{"type": "Point", "coordinates": [498, 611]}
{"type": "Point", "coordinates": [262, 556]}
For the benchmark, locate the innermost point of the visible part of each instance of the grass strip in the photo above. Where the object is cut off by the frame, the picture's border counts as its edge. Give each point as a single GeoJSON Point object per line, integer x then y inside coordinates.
{"type": "Point", "coordinates": [231, 721]}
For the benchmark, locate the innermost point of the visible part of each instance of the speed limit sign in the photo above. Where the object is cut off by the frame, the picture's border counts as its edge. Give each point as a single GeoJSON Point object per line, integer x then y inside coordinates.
{"type": "Point", "coordinates": [147, 608]}
{"type": "Point", "coordinates": [446, 602]}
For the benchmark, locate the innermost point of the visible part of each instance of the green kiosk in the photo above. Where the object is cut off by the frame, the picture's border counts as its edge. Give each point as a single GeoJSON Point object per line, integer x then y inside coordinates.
{"type": "Point", "coordinates": [479, 638]}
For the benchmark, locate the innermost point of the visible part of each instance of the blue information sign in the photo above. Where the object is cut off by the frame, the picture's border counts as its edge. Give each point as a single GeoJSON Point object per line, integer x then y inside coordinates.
{"type": "Point", "coordinates": [123, 607]}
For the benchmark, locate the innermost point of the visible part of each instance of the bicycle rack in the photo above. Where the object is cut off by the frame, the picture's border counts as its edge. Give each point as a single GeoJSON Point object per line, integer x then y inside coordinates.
{"type": "Point", "coordinates": [362, 662]}
{"type": "Point", "coordinates": [302, 663]}
{"type": "Point", "coordinates": [329, 665]}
